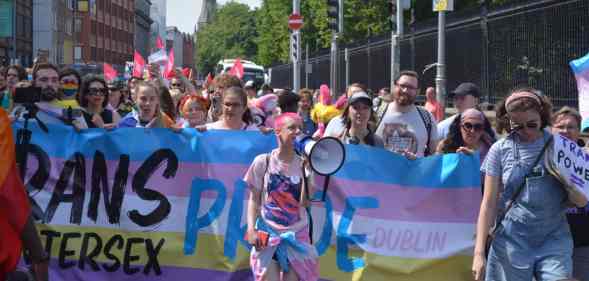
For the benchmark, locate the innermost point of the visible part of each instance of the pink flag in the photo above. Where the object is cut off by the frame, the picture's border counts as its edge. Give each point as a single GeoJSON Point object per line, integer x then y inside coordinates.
{"type": "Point", "coordinates": [110, 73]}
{"type": "Point", "coordinates": [237, 69]}
{"type": "Point", "coordinates": [159, 44]}
{"type": "Point", "coordinates": [138, 65]}
{"type": "Point", "coordinates": [187, 72]}
{"type": "Point", "coordinates": [169, 72]}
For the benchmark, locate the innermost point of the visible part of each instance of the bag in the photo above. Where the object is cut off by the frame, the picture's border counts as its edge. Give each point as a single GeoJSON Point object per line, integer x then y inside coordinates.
{"type": "Point", "coordinates": [495, 229]}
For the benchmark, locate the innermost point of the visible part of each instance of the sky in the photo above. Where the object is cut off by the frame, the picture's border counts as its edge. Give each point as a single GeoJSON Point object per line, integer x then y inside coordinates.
{"type": "Point", "coordinates": [184, 14]}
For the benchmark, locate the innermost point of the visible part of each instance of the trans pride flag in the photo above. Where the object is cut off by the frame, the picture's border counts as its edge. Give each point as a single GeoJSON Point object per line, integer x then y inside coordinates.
{"type": "Point", "coordinates": [580, 68]}
{"type": "Point", "coordinates": [151, 204]}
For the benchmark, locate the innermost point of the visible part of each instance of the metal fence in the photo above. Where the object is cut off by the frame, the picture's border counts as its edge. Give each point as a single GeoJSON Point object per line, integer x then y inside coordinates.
{"type": "Point", "coordinates": [526, 43]}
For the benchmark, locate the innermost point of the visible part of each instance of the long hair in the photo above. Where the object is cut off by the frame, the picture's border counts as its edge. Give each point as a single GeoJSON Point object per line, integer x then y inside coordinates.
{"type": "Point", "coordinates": [239, 92]}
{"type": "Point", "coordinates": [347, 122]}
{"type": "Point", "coordinates": [454, 140]}
{"type": "Point", "coordinates": [167, 102]}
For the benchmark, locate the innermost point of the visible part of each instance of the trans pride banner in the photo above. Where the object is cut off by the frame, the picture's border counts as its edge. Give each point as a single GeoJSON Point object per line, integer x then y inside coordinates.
{"type": "Point", "coordinates": [580, 68]}
{"type": "Point", "coordinates": [151, 204]}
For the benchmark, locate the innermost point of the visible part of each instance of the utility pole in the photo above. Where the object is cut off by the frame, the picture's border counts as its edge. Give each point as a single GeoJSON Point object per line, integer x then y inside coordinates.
{"type": "Point", "coordinates": [296, 49]}
{"type": "Point", "coordinates": [396, 14]}
{"type": "Point", "coordinates": [307, 65]}
{"type": "Point", "coordinates": [335, 10]}
{"type": "Point", "coordinates": [441, 6]}
{"type": "Point", "coordinates": [14, 59]}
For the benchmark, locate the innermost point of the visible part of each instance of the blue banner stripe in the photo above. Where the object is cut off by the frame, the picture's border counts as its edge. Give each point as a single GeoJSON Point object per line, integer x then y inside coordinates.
{"type": "Point", "coordinates": [581, 64]}
{"type": "Point", "coordinates": [241, 147]}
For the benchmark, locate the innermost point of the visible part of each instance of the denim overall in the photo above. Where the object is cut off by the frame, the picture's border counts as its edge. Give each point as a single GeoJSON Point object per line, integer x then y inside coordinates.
{"type": "Point", "coordinates": [534, 240]}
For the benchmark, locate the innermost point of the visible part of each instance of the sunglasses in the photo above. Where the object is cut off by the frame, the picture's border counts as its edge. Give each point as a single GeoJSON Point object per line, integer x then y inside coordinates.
{"type": "Point", "coordinates": [176, 85]}
{"type": "Point", "coordinates": [230, 104]}
{"type": "Point", "coordinates": [517, 126]}
{"type": "Point", "coordinates": [97, 91]}
{"type": "Point", "coordinates": [469, 126]}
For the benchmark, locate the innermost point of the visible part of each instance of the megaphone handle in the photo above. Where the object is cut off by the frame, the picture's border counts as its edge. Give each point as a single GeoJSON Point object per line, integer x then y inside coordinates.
{"type": "Point", "coordinates": [325, 187]}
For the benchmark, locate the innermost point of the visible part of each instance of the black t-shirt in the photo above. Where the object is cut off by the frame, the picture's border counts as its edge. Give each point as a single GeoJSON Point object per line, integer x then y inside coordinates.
{"type": "Point", "coordinates": [579, 223]}
{"type": "Point", "coordinates": [106, 116]}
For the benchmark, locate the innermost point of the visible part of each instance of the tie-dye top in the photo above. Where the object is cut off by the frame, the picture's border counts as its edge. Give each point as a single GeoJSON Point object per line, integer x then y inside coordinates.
{"type": "Point", "coordinates": [284, 182]}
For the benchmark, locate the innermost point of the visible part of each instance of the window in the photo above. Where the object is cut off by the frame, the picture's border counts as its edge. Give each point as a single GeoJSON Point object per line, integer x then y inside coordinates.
{"type": "Point", "coordinates": [93, 54]}
{"type": "Point", "coordinates": [78, 25]}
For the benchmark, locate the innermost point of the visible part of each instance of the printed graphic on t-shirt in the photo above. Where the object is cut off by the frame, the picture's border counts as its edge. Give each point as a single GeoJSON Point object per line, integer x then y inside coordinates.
{"type": "Point", "coordinates": [397, 137]}
{"type": "Point", "coordinates": [282, 204]}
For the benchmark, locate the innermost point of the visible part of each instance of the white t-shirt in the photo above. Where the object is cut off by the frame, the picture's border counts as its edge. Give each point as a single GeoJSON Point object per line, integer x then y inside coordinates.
{"type": "Point", "coordinates": [335, 127]}
{"type": "Point", "coordinates": [406, 131]}
{"type": "Point", "coordinates": [219, 126]}
{"type": "Point", "coordinates": [444, 126]}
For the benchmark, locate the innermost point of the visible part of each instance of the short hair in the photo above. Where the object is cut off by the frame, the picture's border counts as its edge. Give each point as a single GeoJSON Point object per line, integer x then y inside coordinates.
{"type": "Point", "coordinates": [407, 73]}
{"type": "Point", "coordinates": [85, 88]}
{"type": "Point", "coordinates": [281, 119]}
{"type": "Point", "coordinates": [306, 93]}
{"type": "Point", "coordinates": [21, 71]}
{"type": "Point", "coordinates": [67, 71]}
{"type": "Point", "coordinates": [544, 109]}
{"type": "Point", "coordinates": [567, 111]}
{"type": "Point", "coordinates": [203, 102]}
{"type": "Point", "coordinates": [41, 66]}
{"type": "Point", "coordinates": [227, 81]}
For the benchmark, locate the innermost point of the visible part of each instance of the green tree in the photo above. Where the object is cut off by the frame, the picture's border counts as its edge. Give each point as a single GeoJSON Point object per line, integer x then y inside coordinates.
{"type": "Point", "coordinates": [231, 34]}
{"type": "Point", "coordinates": [273, 35]}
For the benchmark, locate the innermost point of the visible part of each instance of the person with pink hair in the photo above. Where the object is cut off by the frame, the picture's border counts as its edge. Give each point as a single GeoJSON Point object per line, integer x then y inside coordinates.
{"type": "Point", "coordinates": [277, 223]}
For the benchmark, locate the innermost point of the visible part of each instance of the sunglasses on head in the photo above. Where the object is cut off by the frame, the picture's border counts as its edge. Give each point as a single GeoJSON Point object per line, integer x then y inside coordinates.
{"type": "Point", "coordinates": [470, 126]}
{"type": "Point", "coordinates": [176, 85]}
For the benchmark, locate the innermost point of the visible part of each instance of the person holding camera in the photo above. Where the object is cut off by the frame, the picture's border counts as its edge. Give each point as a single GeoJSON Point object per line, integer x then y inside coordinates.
{"type": "Point", "coordinates": [43, 93]}
{"type": "Point", "coordinates": [277, 223]}
{"type": "Point", "coordinates": [93, 98]}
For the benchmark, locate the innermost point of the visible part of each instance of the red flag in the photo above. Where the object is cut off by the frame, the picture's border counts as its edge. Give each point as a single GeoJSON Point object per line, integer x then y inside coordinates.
{"type": "Point", "coordinates": [14, 203]}
{"type": "Point", "coordinates": [209, 79]}
{"type": "Point", "coordinates": [187, 72]}
{"type": "Point", "coordinates": [169, 72]}
{"type": "Point", "coordinates": [237, 69]}
{"type": "Point", "coordinates": [110, 73]}
{"type": "Point", "coordinates": [159, 44]}
{"type": "Point", "coordinates": [138, 65]}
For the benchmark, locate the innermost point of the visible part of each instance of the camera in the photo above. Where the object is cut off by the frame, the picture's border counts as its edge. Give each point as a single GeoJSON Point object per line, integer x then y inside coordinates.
{"type": "Point", "coordinates": [28, 95]}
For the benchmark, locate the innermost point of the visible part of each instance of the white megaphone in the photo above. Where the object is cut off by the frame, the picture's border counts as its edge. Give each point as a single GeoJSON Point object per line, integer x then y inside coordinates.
{"type": "Point", "coordinates": [326, 156]}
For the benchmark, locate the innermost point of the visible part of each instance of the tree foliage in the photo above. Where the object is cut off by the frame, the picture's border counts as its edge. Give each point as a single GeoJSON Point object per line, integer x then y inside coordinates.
{"type": "Point", "coordinates": [231, 34]}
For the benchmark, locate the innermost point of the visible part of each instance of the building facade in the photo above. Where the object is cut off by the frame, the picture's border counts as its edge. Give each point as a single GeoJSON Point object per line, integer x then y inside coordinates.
{"type": "Point", "coordinates": [106, 32]}
{"type": "Point", "coordinates": [188, 51]}
{"type": "Point", "coordinates": [24, 33]}
{"type": "Point", "coordinates": [157, 13]}
{"type": "Point", "coordinates": [143, 24]}
{"type": "Point", "coordinates": [175, 39]}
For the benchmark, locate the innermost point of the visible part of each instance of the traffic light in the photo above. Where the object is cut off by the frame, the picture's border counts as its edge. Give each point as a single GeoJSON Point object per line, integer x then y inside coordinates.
{"type": "Point", "coordinates": [333, 14]}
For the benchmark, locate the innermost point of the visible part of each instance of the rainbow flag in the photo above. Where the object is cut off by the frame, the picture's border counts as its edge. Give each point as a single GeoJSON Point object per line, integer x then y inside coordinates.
{"type": "Point", "coordinates": [14, 205]}
{"type": "Point", "coordinates": [153, 204]}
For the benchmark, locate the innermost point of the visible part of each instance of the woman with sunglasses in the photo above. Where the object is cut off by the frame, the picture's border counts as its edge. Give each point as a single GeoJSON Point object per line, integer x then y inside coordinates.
{"type": "Point", "coordinates": [471, 131]}
{"type": "Point", "coordinates": [532, 238]}
{"type": "Point", "coordinates": [93, 99]}
{"type": "Point", "coordinates": [567, 122]}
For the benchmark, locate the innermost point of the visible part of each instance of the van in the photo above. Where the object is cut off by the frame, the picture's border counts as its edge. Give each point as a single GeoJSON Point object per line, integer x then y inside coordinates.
{"type": "Point", "coordinates": [251, 71]}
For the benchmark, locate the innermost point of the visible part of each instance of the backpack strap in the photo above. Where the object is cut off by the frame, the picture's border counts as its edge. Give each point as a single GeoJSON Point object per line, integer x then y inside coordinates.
{"type": "Point", "coordinates": [381, 111]}
{"type": "Point", "coordinates": [267, 160]}
{"type": "Point", "coordinates": [427, 122]}
{"type": "Point", "coordinates": [308, 198]}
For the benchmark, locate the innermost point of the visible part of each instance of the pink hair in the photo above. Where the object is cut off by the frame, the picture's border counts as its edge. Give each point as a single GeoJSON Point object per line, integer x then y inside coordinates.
{"type": "Point", "coordinates": [281, 119]}
{"type": "Point", "coordinates": [324, 95]}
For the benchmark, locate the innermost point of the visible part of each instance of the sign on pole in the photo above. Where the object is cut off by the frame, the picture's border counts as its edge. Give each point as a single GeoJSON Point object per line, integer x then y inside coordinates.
{"type": "Point", "coordinates": [295, 22]}
{"type": "Point", "coordinates": [443, 5]}
{"type": "Point", "coordinates": [294, 50]}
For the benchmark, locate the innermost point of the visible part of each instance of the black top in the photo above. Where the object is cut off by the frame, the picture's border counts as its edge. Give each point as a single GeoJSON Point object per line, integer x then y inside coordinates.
{"type": "Point", "coordinates": [579, 223]}
{"type": "Point", "coordinates": [106, 116]}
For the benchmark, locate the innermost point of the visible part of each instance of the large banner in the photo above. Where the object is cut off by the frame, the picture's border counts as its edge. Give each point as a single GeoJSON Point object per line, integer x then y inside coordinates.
{"type": "Point", "coordinates": [151, 204]}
